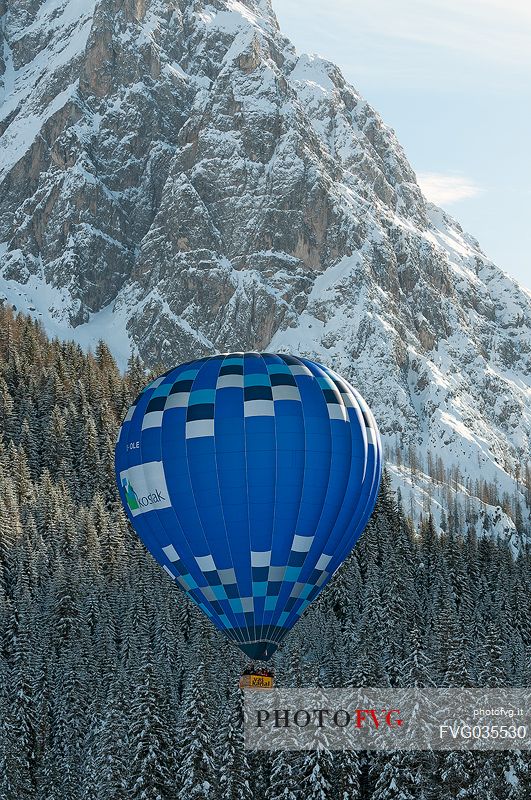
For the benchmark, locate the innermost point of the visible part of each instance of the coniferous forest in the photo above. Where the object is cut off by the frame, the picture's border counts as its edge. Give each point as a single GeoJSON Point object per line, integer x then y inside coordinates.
{"type": "Point", "coordinates": [113, 686]}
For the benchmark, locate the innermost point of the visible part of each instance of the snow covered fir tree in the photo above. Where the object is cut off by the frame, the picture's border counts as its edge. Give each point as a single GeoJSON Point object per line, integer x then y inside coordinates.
{"type": "Point", "coordinates": [112, 685]}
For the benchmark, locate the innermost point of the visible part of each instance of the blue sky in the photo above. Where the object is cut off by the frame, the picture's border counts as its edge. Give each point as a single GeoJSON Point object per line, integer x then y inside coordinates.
{"type": "Point", "coordinates": [453, 79]}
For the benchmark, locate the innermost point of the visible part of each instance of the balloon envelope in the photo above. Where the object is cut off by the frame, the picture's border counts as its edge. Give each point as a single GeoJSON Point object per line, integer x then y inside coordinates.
{"type": "Point", "coordinates": [249, 477]}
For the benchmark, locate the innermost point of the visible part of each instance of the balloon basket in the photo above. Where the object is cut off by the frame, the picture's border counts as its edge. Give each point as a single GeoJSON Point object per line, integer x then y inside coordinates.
{"type": "Point", "coordinates": [257, 679]}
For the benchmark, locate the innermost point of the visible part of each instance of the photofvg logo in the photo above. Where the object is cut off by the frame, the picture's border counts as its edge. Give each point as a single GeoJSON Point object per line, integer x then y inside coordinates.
{"type": "Point", "coordinates": [145, 487]}
{"type": "Point", "coordinates": [388, 719]}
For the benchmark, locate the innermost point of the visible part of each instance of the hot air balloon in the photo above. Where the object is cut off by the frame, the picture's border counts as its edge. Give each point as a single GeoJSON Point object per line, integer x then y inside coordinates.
{"type": "Point", "coordinates": [249, 477]}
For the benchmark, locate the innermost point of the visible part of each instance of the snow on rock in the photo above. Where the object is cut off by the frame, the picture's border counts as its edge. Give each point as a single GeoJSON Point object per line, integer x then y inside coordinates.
{"type": "Point", "coordinates": [178, 180]}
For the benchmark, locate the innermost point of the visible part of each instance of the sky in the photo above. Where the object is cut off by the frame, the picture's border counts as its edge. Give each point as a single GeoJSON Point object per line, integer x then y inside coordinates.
{"type": "Point", "coordinates": [453, 78]}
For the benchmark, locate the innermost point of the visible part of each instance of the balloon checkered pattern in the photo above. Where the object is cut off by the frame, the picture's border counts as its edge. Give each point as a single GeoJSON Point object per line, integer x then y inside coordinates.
{"type": "Point", "coordinates": [249, 477]}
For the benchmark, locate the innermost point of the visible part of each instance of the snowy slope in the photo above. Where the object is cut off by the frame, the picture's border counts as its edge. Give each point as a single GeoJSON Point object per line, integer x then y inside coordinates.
{"type": "Point", "coordinates": [176, 179]}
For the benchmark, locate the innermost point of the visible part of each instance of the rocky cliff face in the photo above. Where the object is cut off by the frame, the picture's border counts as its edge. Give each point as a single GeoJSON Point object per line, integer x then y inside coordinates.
{"type": "Point", "coordinates": [175, 178]}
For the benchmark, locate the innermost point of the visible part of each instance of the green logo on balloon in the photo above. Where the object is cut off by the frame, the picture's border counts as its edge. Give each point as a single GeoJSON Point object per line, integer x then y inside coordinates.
{"type": "Point", "coordinates": [130, 495]}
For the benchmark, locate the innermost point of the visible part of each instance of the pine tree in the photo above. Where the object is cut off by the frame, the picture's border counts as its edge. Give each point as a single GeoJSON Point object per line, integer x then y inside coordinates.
{"type": "Point", "coordinates": [490, 783]}
{"type": "Point", "coordinates": [457, 775]}
{"type": "Point", "coordinates": [90, 463]}
{"type": "Point", "coordinates": [395, 779]}
{"type": "Point", "coordinates": [106, 774]}
{"type": "Point", "coordinates": [364, 638]}
{"type": "Point", "coordinates": [234, 770]}
{"type": "Point", "coordinates": [67, 729]}
{"type": "Point", "coordinates": [517, 769]}
{"type": "Point", "coordinates": [284, 780]}
{"type": "Point", "coordinates": [417, 666]}
{"type": "Point", "coordinates": [347, 772]}
{"type": "Point", "coordinates": [197, 774]}
{"type": "Point", "coordinates": [316, 775]}
{"type": "Point", "coordinates": [492, 671]}
{"type": "Point", "coordinates": [20, 729]}
{"type": "Point", "coordinates": [151, 766]}
{"type": "Point", "coordinates": [9, 774]}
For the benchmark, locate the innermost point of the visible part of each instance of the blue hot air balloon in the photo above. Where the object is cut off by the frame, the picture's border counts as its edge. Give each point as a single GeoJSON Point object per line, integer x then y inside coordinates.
{"type": "Point", "coordinates": [249, 477]}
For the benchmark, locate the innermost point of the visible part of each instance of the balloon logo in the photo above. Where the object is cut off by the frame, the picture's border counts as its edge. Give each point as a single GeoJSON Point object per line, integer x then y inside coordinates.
{"type": "Point", "coordinates": [249, 477]}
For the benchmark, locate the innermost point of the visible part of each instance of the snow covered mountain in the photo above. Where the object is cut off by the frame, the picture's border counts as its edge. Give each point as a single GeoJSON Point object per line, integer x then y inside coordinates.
{"type": "Point", "coordinates": [175, 179]}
